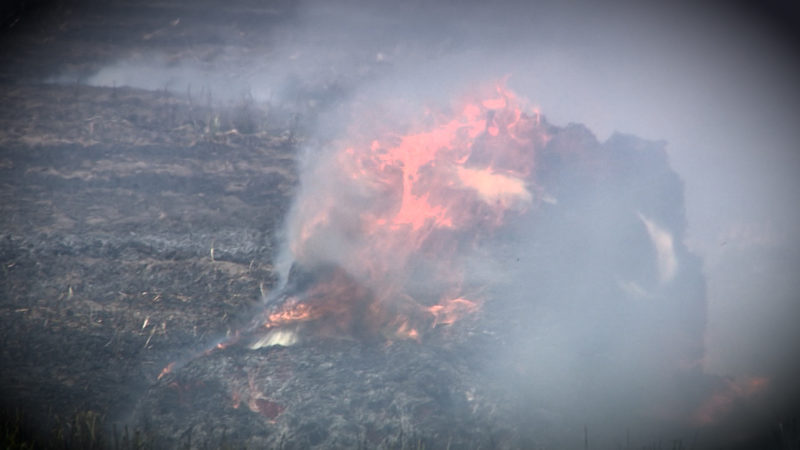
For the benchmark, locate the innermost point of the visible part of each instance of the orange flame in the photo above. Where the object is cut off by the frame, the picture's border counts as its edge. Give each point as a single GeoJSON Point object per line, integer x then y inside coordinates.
{"type": "Point", "coordinates": [452, 310]}
{"type": "Point", "coordinates": [166, 370]}
{"type": "Point", "coordinates": [723, 400]}
{"type": "Point", "coordinates": [387, 205]}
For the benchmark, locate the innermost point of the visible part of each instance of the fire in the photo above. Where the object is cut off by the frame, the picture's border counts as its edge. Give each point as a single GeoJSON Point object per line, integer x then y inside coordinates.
{"type": "Point", "coordinates": [394, 212]}
{"type": "Point", "coordinates": [166, 370]}
{"type": "Point", "coordinates": [452, 310]}
{"type": "Point", "coordinates": [723, 400]}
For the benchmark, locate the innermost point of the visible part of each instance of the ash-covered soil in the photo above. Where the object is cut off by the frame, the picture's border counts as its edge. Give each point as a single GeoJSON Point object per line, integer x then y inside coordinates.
{"type": "Point", "coordinates": [131, 232]}
{"type": "Point", "coordinates": [326, 394]}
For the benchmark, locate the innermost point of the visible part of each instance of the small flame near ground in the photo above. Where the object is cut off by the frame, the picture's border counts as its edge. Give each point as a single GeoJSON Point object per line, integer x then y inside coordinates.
{"type": "Point", "coordinates": [715, 407]}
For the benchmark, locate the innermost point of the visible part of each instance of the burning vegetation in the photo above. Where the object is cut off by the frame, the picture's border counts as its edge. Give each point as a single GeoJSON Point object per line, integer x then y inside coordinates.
{"type": "Point", "coordinates": [380, 231]}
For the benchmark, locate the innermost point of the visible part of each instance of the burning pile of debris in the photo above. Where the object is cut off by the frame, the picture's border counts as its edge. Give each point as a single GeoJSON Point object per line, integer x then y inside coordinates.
{"type": "Point", "coordinates": [405, 316]}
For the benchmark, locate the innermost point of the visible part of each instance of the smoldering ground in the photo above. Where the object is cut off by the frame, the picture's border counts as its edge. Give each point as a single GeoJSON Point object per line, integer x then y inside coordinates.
{"type": "Point", "coordinates": [629, 296]}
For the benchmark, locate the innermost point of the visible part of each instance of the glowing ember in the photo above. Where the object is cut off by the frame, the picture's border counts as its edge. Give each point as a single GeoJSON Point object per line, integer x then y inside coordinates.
{"type": "Point", "coordinates": [394, 212]}
{"type": "Point", "coordinates": [256, 400]}
{"type": "Point", "coordinates": [166, 370]}
{"type": "Point", "coordinates": [722, 401]}
{"type": "Point", "coordinates": [452, 310]}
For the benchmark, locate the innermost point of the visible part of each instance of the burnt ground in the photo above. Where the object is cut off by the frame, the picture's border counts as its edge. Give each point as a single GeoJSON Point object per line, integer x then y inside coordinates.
{"type": "Point", "coordinates": [127, 236]}
{"type": "Point", "coordinates": [135, 225]}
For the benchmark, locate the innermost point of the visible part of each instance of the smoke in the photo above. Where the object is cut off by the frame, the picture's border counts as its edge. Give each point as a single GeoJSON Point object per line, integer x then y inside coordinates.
{"type": "Point", "coordinates": [633, 270]}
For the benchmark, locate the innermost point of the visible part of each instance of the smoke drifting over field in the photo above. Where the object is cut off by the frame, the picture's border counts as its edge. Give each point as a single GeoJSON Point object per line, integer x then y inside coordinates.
{"type": "Point", "coordinates": [642, 284]}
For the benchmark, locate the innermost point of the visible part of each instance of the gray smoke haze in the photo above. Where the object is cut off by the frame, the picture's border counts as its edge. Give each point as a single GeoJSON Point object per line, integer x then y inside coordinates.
{"type": "Point", "coordinates": [716, 83]}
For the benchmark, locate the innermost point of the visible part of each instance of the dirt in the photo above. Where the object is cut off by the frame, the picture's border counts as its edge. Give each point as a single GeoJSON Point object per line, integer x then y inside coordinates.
{"type": "Point", "coordinates": [130, 233]}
